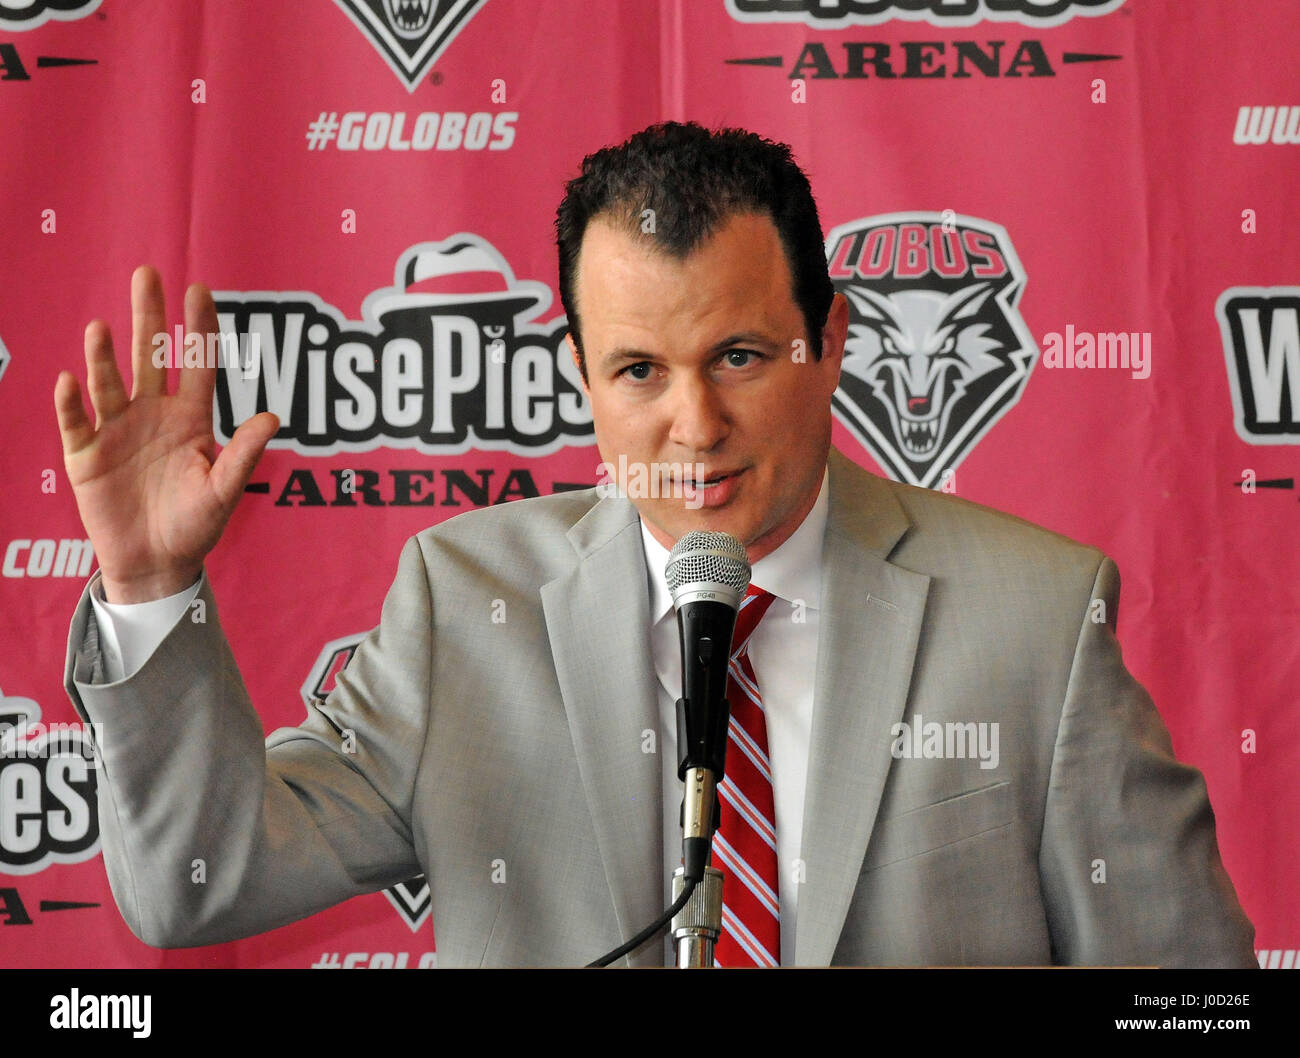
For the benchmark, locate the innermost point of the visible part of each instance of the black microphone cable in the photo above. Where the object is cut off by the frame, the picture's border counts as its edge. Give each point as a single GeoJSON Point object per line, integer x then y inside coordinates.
{"type": "Point", "coordinates": [658, 926]}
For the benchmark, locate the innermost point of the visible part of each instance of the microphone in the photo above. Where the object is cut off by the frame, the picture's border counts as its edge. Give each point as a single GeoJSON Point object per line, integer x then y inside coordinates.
{"type": "Point", "coordinates": [707, 573]}
{"type": "Point", "coordinates": [707, 576]}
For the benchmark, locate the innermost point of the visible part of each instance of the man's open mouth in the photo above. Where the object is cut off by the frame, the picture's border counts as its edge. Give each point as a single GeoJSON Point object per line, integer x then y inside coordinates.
{"type": "Point", "coordinates": [709, 482]}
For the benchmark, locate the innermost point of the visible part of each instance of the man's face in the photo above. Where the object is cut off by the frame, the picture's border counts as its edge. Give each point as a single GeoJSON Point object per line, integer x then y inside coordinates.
{"type": "Point", "coordinates": [706, 361]}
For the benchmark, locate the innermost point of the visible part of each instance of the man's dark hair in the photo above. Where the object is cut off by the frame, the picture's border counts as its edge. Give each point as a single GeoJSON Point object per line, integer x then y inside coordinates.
{"type": "Point", "coordinates": [694, 179]}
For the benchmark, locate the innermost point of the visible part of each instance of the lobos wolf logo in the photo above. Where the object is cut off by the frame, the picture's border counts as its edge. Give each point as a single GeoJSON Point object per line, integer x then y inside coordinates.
{"type": "Point", "coordinates": [936, 352]}
{"type": "Point", "coordinates": [410, 899]}
{"type": "Point", "coordinates": [410, 34]}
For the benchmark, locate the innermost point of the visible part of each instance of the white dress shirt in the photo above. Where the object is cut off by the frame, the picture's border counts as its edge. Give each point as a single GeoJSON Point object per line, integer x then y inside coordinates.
{"type": "Point", "coordinates": [783, 651]}
{"type": "Point", "coordinates": [129, 633]}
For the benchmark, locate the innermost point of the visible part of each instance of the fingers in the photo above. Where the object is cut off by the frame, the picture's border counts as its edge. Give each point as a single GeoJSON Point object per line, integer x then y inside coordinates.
{"type": "Point", "coordinates": [74, 426]}
{"type": "Point", "coordinates": [200, 318]}
{"type": "Point", "coordinates": [107, 394]}
{"type": "Point", "coordinates": [148, 318]}
{"type": "Point", "coordinates": [233, 468]}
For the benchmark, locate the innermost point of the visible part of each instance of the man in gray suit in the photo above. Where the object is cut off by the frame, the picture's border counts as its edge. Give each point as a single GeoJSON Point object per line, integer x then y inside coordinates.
{"type": "Point", "coordinates": [963, 770]}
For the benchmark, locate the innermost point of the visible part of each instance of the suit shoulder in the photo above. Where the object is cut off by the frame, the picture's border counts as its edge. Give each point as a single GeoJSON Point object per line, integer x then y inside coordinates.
{"type": "Point", "coordinates": [951, 534]}
{"type": "Point", "coordinates": [525, 538]}
{"type": "Point", "coordinates": [558, 512]}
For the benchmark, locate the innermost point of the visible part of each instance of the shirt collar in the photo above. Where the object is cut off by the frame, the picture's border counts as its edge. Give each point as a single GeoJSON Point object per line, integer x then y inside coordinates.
{"type": "Point", "coordinates": [792, 571]}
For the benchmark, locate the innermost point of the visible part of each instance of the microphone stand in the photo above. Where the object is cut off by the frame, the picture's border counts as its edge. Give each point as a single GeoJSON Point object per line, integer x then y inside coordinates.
{"type": "Point", "coordinates": [698, 925]}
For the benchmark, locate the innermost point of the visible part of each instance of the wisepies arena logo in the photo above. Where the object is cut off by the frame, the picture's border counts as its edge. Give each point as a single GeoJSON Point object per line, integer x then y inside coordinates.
{"type": "Point", "coordinates": [442, 362]}
{"type": "Point", "coordinates": [48, 796]}
{"type": "Point", "coordinates": [1260, 327]}
{"type": "Point", "coordinates": [28, 14]}
{"type": "Point", "coordinates": [937, 351]}
{"type": "Point", "coordinates": [834, 13]}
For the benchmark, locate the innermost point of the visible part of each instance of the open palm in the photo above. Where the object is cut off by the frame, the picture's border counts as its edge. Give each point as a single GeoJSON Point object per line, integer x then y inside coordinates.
{"type": "Point", "coordinates": [152, 491]}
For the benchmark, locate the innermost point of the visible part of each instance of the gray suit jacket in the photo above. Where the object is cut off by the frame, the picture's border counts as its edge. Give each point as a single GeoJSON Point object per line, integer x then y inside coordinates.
{"type": "Point", "coordinates": [503, 758]}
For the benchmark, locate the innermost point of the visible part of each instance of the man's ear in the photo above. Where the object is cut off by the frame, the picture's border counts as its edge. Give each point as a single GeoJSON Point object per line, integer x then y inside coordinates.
{"type": "Point", "coordinates": [577, 361]}
{"type": "Point", "coordinates": [835, 333]}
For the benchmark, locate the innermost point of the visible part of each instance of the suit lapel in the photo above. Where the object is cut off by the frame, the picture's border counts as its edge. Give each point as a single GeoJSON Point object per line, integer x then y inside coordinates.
{"type": "Point", "coordinates": [597, 618]}
{"type": "Point", "coordinates": [869, 627]}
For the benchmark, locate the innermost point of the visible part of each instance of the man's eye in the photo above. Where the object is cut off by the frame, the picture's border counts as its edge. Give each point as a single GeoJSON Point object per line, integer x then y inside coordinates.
{"type": "Point", "coordinates": [741, 357]}
{"type": "Point", "coordinates": [639, 372]}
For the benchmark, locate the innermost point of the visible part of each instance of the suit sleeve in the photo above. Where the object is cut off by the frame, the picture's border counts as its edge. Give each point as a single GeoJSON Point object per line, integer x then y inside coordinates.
{"type": "Point", "coordinates": [211, 833]}
{"type": "Point", "coordinates": [1129, 862]}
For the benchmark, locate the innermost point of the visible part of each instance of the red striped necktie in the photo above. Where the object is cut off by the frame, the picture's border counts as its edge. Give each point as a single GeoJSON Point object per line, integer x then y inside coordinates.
{"type": "Point", "coordinates": [744, 848]}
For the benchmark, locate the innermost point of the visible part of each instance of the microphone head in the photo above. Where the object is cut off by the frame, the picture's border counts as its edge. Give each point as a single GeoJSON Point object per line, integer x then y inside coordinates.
{"type": "Point", "coordinates": [708, 566]}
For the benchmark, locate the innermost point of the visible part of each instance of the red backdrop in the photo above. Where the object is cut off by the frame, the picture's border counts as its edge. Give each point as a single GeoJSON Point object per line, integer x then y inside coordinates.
{"type": "Point", "coordinates": [1050, 175]}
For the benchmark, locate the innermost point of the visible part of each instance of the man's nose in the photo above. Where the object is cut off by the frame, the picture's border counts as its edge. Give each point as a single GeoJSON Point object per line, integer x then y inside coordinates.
{"type": "Point", "coordinates": [700, 420]}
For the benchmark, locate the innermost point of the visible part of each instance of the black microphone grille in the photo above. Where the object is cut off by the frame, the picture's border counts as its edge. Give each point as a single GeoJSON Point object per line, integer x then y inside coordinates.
{"type": "Point", "coordinates": [708, 562]}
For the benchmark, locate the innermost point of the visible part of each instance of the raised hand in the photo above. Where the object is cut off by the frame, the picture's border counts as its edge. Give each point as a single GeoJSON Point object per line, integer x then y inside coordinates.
{"type": "Point", "coordinates": [152, 491]}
